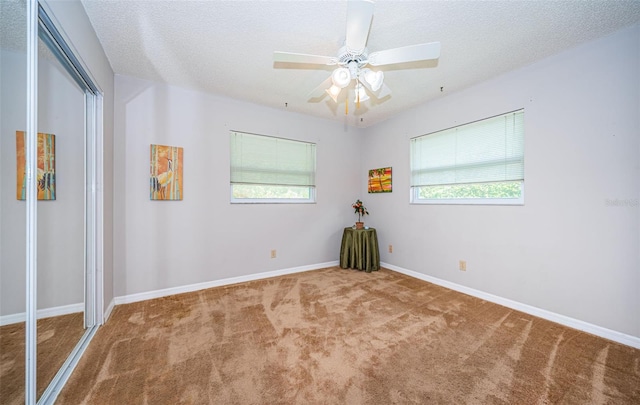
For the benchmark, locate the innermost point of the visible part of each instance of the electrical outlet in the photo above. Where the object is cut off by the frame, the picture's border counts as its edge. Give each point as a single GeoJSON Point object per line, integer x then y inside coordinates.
{"type": "Point", "coordinates": [463, 265]}
{"type": "Point", "coordinates": [390, 248]}
{"type": "Point", "coordinates": [273, 253]}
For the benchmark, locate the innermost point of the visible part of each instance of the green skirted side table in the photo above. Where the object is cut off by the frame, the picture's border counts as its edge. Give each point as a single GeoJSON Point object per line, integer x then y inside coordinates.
{"type": "Point", "coordinates": [359, 249]}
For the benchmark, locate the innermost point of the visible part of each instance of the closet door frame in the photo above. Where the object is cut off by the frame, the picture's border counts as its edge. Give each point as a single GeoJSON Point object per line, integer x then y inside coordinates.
{"type": "Point", "coordinates": [41, 23]}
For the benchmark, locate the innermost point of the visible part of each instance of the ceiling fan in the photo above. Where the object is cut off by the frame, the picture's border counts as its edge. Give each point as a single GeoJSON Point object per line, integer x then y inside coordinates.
{"type": "Point", "coordinates": [354, 57]}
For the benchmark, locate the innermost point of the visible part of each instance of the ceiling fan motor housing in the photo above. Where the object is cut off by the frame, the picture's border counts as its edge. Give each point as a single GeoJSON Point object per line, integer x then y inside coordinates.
{"type": "Point", "coordinates": [353, 61]}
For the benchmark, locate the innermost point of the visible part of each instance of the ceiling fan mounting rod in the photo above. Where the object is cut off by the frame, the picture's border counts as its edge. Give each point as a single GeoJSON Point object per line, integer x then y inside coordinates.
{"type": "Point", "coordinates": [354, 69]}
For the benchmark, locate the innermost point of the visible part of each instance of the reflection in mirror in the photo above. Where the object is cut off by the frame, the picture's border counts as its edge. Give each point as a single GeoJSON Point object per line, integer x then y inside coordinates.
{"type": "Point", "coordinates": [13, 116]}
{"type": "Point", "coordinates": [60, 215]}
{"type": "Point", "coordinates": [60, 211]}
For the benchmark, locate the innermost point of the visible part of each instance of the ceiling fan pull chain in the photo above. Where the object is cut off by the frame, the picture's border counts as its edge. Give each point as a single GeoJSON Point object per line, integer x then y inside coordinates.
{"type": "Point", "coordinates": [346, 106]}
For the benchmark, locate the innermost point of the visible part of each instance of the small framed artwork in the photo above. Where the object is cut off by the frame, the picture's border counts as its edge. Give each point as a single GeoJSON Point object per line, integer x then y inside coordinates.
{"type": "Point", "coordinates": [46, 166]}
{"type": "Point", "coordinates": [380, 180]}
{"type": "Point", "coordinates": [166, 172]}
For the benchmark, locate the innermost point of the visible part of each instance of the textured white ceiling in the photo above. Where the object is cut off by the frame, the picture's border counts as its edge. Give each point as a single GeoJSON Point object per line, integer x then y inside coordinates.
{"type": "Point", "coordinates": [226, 47]}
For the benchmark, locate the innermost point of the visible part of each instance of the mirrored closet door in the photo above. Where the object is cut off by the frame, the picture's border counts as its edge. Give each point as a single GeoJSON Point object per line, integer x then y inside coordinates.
{"type": "Point", "coordinates": [13, 116]}
{"type": "Point", "coordinates": [60, 214]}
{"type": "Point", "coordinates": [50, 239]}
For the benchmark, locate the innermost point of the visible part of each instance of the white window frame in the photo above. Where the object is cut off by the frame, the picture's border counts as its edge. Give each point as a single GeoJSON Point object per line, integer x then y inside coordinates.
{"type": "Point", "coordinates": [414, 191]}
{"type": "Point", "coordinates": [311, 188]}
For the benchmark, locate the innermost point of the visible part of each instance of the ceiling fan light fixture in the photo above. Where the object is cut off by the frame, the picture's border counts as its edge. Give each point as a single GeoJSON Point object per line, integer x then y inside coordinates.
{"type": "Point", "coordinates": [361, 94]}
{"type": "Point", "coordinates": [352, 58]}
{"type": "Point", "coordinates": [341, 77]}
{"type": "Point", "coordinates": [333, 92]}
{"type": "Point", "coordinates": [374, 79]}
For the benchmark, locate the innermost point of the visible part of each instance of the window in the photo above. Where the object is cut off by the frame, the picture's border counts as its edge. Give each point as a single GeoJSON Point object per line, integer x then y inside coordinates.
{"type": "Point", "coordinates": [266, 169]}
{"type": "Point", "coordinates": [477, 163]}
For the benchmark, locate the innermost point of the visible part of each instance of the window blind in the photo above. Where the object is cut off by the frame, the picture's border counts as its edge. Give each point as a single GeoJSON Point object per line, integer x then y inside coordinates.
{"type": "Point", "coordinates": [483, 151]}
{"type": "Point", "coordinates": [259, 159]}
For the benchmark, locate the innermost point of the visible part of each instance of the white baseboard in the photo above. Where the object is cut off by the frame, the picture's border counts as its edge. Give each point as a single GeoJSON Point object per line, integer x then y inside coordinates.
{"type": "Point", "coordinates": [42, 313]}
{"type": "Point", "coordinates": [613, 335]}
{"type": "Point", "coordinates": [107, 313]}
{"type": "Point", "coordinates": [127, 299]}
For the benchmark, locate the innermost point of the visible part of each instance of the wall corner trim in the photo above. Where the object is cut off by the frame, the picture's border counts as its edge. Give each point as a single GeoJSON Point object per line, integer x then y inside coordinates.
{"type": "Point", "coordinates": [107, 312]}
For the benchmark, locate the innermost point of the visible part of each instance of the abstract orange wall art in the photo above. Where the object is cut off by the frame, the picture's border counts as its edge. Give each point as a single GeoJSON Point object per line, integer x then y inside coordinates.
{"type": "Point", "coordinates": [46, 173]}
{"type": "Point", "coordinates": [166, 172]}
{"type": "Point", "coordinates": [380, 180]}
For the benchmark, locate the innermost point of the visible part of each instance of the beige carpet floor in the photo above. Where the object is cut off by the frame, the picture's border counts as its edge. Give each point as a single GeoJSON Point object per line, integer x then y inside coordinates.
{"type": "Point", "coordinates": [57, 336]}
{"type": "Point", "coordinates": [336, 336]}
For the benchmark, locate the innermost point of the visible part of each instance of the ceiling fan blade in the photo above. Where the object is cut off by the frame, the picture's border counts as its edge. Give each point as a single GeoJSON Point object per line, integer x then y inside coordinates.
{"type": "Point", "coordinates": [409, 53]}
{"type": "Point", "coordinates": [290, 57]}
{"type": "Point", "coordinates": [359, 14]}
{"type": "Point", "coordinates": [320, 90]}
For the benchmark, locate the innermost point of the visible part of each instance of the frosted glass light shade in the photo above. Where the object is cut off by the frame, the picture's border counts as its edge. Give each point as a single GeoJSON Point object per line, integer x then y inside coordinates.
{"type": "Point", "coordinates": [333, 92]}
{"type": "Point", "coordinates": [374, 79]}
{"type": "Point", "coordinates": [361, 94]}
{"type": "Point", "coordinates": [341, 77]}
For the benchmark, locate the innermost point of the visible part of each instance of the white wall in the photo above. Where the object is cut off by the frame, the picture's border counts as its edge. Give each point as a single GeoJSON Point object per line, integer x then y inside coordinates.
{"type": "Point", "coordinates": [165, 244]}
{"type": "Point", "coordinates": [574, 247]}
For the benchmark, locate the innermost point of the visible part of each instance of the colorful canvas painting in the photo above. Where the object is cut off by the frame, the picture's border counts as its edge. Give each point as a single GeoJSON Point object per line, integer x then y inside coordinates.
{"type": "Point", "coordinates": [166, 172]}
{"type": "Point", "coordinates": [46, 166]}
{"type": "Point", "coordinates": [380, 180]}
